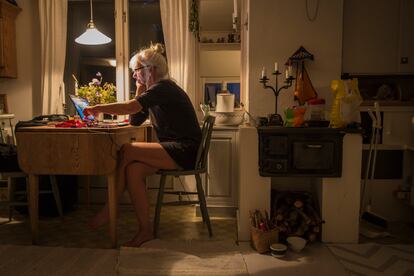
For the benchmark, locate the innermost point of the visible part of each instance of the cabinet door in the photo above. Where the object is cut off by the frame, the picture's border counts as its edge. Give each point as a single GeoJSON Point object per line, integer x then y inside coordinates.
{"type": "Point", "coordinates": [220, 182]}
{"type": "Point", "coordinates": [407, 37]}
{"type": "Point", "coordinates": [397, 128]}
{"type": "Point", "coordinates": [8, 63]}
{"type": "Point", "coordinates": [371, 36]}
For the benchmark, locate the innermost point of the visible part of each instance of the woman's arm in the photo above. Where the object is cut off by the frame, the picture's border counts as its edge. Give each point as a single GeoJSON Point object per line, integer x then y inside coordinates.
{"type": "Point", "coordinates": [124, 108]}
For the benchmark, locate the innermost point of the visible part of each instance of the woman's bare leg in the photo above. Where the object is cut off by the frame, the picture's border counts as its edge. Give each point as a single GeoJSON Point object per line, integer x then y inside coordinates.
{"type": "Point", "coordinates": [102, 217]}
{"type": "Point", "coordinates": [135, 179]}
{"type": "Point", "coordinates": [151, 154]}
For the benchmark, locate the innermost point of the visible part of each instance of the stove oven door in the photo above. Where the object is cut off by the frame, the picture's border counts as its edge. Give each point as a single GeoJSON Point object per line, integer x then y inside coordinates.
{"type": "Point", "coordinates": [320, 157]}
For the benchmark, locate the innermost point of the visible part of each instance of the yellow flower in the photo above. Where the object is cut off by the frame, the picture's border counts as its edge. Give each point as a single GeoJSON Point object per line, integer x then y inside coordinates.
{"type": "Point", "coordinates": [96, 92]}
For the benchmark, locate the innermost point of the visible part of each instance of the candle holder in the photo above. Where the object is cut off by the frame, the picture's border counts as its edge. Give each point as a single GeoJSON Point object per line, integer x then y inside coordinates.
{"type": "Point", "coordinates": [275, 119]}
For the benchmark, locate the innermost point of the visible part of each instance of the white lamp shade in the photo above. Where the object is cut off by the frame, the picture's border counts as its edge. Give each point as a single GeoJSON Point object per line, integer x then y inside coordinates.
{"type": "Point", "coordinates": [92, 37]}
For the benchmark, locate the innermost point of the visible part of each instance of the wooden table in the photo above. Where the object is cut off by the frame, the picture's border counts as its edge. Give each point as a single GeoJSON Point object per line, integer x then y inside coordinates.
{"type": "Point", "coordinates": [73, 151]}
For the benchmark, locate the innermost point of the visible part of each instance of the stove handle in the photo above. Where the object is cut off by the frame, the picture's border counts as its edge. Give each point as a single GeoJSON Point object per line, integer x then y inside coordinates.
{"type": "Point", "coordinates": [313, 146]}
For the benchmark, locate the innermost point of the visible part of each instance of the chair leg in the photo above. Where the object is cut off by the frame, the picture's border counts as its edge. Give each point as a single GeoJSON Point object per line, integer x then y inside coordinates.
{"type": "Point", "coordinates": [55, 190]}
{"type": "Point", "coordinates": [11, 196]}
{"type": "Point", "coordinates": [159, 205]}
{"type": "Point", "coordinates": [203, 205]}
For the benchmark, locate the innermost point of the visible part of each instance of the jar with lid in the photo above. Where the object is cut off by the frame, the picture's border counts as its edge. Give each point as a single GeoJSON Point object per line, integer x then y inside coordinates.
{"type": "Point", "coordinates": [316, 110]}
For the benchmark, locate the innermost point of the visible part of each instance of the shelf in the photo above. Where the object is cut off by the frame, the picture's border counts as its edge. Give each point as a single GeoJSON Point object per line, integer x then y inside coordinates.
{"type": "Point", "coordinates": [219, 46]}
{"type": "Point", "coordinates": [391, 106]}
{"type": "Point", "coordinates": [386, 147]}
{"type": "Point", "coordinates": [6, 116]}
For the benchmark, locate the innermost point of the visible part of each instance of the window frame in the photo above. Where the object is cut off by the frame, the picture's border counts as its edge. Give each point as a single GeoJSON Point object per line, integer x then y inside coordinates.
{"type": "Point", "coordinates": [122, 49]}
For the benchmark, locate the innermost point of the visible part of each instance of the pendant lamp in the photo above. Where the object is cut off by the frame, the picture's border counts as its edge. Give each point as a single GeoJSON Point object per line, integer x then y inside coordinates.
{"type": "Point", "coordinates": [92, 36]}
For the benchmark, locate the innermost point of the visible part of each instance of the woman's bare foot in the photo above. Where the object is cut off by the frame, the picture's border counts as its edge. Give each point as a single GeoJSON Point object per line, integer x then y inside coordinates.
{"type": "Point", "coordinates": [99, 219]}
{"type": "Point", "coordinates": [140, 238]}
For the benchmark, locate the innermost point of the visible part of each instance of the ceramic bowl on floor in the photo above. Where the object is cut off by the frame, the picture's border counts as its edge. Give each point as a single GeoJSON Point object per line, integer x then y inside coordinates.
{"type": "Point", "coordinates": [296, 243]}
{"type": "Point", "coordinates": [278, 250]}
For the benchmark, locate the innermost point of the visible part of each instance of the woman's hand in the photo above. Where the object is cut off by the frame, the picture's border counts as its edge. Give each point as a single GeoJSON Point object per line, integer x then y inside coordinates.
{"type": "Point", "coordinates": [91, 110]}
{"type": "Point", "coordinates": [141, 88]}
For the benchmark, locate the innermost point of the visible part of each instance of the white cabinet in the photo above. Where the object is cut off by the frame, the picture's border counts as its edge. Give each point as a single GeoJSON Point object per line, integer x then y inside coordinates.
{"type": "Point", "coordinates": [221, 181]}
{"type": "Point", "coordinates": [377, 36]}
{"type": "Point", "coordinates": [397, 128]}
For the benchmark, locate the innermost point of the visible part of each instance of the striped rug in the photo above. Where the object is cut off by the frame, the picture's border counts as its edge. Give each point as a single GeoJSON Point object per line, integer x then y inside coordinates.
{"type": "Point", "coordinates": [375, 259]}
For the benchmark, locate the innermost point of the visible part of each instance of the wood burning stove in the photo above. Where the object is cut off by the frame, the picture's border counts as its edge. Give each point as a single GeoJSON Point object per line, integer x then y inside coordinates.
{"type": "Point", "coordinates": [300, 151]}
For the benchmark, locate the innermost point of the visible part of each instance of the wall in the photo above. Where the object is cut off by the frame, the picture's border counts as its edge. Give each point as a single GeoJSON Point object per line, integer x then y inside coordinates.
{"type": "Point", "coordinates": [277, 29]}
{"type": "Point", "coordinates": [219, 63]}
{"type": "Point", "coordinates": [23, 93]}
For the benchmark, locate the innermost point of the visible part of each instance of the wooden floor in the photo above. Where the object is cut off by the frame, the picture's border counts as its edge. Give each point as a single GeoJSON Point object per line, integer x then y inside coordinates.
{"type": "Point", "coordinates": [177, 222]}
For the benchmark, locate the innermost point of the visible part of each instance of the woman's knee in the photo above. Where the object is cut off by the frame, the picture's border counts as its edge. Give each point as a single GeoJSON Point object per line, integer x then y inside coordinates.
{"type": "Point", "coordinates": [124, 154]}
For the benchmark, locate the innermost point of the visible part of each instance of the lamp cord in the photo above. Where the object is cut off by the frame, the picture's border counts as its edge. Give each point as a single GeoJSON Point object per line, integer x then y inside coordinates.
{"type": "Point", "coordinates": [91, 10]}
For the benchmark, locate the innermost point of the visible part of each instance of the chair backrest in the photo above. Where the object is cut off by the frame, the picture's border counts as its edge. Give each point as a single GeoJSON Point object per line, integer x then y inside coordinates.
{"type": "Point", "coordinates": [201, 161]}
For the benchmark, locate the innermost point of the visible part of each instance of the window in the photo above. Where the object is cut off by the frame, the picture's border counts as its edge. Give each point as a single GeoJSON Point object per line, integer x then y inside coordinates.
{"type": "Point", "coordinates": [212, 86]}
{"type": "Point", "coordinates": [144, 27]}
{"type": "Point", "coordinates": [131, 24]}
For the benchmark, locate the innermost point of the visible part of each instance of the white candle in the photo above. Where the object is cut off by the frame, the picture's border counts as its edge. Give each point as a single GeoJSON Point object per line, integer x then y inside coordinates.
{"type": "Point", "coordinates": [276, 67]}
{"type": "Point", "coordinates": [263, 72]}
{"type": "Point", "coordinates": [287, 73]}
{"type": "Point", "coordinates": [235, 8]}
{"type": "Point", "coordinates": [290, 70]}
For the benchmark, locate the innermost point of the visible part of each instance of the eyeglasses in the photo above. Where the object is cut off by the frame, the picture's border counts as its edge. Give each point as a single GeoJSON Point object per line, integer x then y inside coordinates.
{"type": "Point", "coordinates": [141, 67]}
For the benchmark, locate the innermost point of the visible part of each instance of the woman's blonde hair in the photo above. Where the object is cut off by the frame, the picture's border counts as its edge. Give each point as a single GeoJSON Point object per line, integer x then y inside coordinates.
{"type": "Point", "coordinates": [152, 56]}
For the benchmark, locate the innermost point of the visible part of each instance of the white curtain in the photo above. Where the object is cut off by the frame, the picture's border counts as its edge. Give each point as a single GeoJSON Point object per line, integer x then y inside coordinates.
{"type": "Point", "coordinates": [53, 19]}
{"type": "Point", "coordinates": [180, 44]}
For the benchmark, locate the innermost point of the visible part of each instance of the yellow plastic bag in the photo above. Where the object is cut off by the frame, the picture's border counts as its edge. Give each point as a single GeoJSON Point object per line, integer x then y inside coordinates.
{"type": "Point", "coordinates": [345, 107]}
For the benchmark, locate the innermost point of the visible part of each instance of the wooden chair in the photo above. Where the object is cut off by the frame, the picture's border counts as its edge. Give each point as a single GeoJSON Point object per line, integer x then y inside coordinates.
{"type": "Point", "coordinates": [199, 168]}
{"type": "Point", "coordinates": [11, 177]}
{"type": "Point", "coordinates": [11, 181]}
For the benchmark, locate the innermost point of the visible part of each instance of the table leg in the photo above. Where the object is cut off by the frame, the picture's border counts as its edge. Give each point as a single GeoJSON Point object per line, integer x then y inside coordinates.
{"type": "Point", "coordinates": [87, 188]}
{"type": "Point", "coordinates": [34, 206]}
{"type": "Point", "coordinates": [113, 206]}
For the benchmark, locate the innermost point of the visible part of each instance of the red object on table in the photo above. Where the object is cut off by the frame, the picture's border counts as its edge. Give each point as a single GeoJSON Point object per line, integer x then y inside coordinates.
{"type": "Point", "coordinates": [72, 124]}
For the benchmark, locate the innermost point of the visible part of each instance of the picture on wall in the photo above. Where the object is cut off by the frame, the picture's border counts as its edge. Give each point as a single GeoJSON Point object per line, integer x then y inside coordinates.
{"type": "Point", "coordinates": [212, 86]}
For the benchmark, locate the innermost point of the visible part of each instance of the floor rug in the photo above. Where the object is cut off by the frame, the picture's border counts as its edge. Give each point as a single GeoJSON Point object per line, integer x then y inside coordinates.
{"type": "Point", "coordinates": [375, 259]}
{"type": "Point", "coordinates": [36, 260]}
{"type": "Point", "coordinates": [182, 258]}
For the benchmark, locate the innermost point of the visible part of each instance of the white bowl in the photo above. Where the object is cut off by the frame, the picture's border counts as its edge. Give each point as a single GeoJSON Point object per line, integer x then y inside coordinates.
{"type": "Point", "coordinates": [296, 243]}
{"type": "Point", "coordinates": [234, 118]}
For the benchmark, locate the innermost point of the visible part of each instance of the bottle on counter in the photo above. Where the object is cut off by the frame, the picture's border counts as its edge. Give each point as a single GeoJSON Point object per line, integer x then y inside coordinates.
{"type": "Point", "coordinates": [315, 110]}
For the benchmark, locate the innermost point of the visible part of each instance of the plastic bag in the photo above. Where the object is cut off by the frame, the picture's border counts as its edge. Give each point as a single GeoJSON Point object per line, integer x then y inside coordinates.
{"type": "Point", "coordinates": [345, 107]}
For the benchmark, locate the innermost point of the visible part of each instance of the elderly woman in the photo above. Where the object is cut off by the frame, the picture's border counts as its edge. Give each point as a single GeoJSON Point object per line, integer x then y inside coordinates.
{"type": "Point", "coordinates": [175, 122]}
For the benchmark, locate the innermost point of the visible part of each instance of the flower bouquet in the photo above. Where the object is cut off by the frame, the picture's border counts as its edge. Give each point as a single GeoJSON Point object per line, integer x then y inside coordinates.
{"type": "Point", "coordinates": [96, 92]}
